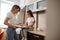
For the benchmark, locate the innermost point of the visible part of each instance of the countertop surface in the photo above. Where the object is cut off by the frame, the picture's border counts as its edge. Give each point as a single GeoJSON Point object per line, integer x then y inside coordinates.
{"type": "Point", "coordinates": [38, 33]}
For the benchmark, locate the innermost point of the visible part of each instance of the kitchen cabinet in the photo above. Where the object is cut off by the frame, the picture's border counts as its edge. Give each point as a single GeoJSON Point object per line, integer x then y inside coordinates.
{"type": "Point", "coordinates": [41, 4]}
{"type": "Point", "coordinates": [31, 7]}
{"type": "Point", "coordinates": [33, 36]}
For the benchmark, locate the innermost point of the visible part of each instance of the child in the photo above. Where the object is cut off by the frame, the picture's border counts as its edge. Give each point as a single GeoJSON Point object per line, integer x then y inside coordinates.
{"type": "Point", "coordinates": [29, 25]}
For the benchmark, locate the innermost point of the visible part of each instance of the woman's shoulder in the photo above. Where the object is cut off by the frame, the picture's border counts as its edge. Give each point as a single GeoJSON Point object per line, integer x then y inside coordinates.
{"type": "Point", "coordinates": [9, 13]}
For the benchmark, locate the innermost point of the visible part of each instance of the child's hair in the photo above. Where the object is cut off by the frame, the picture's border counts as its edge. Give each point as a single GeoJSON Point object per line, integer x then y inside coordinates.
{"type": "Point", "coordinates": [17, 7]}
{"type": "Point", "coordinates": [30, 12]}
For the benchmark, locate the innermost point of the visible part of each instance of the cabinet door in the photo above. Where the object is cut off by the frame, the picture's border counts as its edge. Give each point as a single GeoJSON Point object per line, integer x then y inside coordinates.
{"type": "Point", "coordinates": [38, 37]}
{"type": "Point", "coordinates": [32, 36]}
{"type": "Point", "coordinates": [29, 36]}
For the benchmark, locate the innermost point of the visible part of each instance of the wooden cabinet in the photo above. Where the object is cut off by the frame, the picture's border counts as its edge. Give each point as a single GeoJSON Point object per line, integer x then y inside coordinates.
{"type": "Point", "coordinates": [31, 36]}
{"type": "Point", "coordinates": [35, 35]}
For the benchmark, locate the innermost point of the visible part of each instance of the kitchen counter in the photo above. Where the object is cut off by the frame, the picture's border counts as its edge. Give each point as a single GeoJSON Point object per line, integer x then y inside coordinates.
{"type": "Point", "coordinates": [38, 33]}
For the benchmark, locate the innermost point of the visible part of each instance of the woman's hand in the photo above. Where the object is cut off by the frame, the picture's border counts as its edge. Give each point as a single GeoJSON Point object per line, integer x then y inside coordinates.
{"type": "Point", "coordinates": [14, 26]}
{"type": "Point", "coordinates": [21, 24]}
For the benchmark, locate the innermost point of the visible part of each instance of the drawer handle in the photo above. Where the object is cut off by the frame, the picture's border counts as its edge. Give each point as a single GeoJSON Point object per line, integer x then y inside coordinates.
{"type": "Point", "coordinates": [36, 36]}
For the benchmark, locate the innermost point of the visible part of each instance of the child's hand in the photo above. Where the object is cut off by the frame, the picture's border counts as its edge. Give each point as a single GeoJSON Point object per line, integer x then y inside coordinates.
{"type": "Point", "coordinates": [25, 26]}
{"type": "Point", "coordinates": [21, 24]}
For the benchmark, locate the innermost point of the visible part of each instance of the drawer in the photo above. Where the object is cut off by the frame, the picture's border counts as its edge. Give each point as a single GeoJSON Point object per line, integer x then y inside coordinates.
{"type": "Point", "coordinates": [32, 36]}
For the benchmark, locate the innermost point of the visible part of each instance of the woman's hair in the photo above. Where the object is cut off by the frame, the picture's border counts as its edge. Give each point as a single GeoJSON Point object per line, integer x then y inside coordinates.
{"type": "Point", "coordinates": [17, 7]}
{"type": "Point", "coordinates": [30, 12]}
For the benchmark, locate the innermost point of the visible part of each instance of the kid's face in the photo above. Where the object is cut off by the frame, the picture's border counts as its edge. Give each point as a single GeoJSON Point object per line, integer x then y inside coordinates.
{"type": "Point", "coordinates": [28, 15]}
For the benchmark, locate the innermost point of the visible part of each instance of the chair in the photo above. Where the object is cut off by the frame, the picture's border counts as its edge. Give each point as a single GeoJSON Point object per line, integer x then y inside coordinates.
{"type": "Point", "coordinates": [1, 33]}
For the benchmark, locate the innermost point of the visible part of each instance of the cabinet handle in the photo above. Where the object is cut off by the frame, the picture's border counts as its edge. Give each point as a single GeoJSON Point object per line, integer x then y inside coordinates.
{"type": "Point", "coordinates": [36, 36]}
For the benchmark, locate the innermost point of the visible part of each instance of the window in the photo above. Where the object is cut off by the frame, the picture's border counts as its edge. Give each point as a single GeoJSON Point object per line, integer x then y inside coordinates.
{"type": "Point", "coordinates": [31, 7]}
{"type": "Point", "coordinates": [41, 4]}
{"type": "Point", "coordinates": [22, 4]}
{"type": "Point", "coordinates": [5, 8]}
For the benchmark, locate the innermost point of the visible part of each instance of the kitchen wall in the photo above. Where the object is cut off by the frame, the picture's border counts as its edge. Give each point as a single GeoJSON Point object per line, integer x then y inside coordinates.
{"type": "Point", "coordinates": [42, 21]}
{"type": "Point", "coordinates": [53, 12]}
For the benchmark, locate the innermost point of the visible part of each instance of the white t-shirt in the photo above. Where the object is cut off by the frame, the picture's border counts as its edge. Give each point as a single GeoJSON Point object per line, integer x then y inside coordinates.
{"type": "Point", "coordinates": [13, 21]}
{"type": "Point", "coordinates": [30, 20]}
{"type": "Point", "coordinates": [13, 18]}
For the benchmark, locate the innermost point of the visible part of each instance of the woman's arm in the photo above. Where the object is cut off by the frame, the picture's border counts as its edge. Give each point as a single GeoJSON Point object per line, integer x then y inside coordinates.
{"type": "Point", "coordinates": [6, 23]}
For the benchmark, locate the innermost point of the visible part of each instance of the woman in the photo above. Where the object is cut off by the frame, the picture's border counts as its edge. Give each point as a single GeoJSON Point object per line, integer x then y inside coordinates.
{"type": "Point", "coordinates": [29, 25]}
{"type": "Point", "coordinates": [11, 21]}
